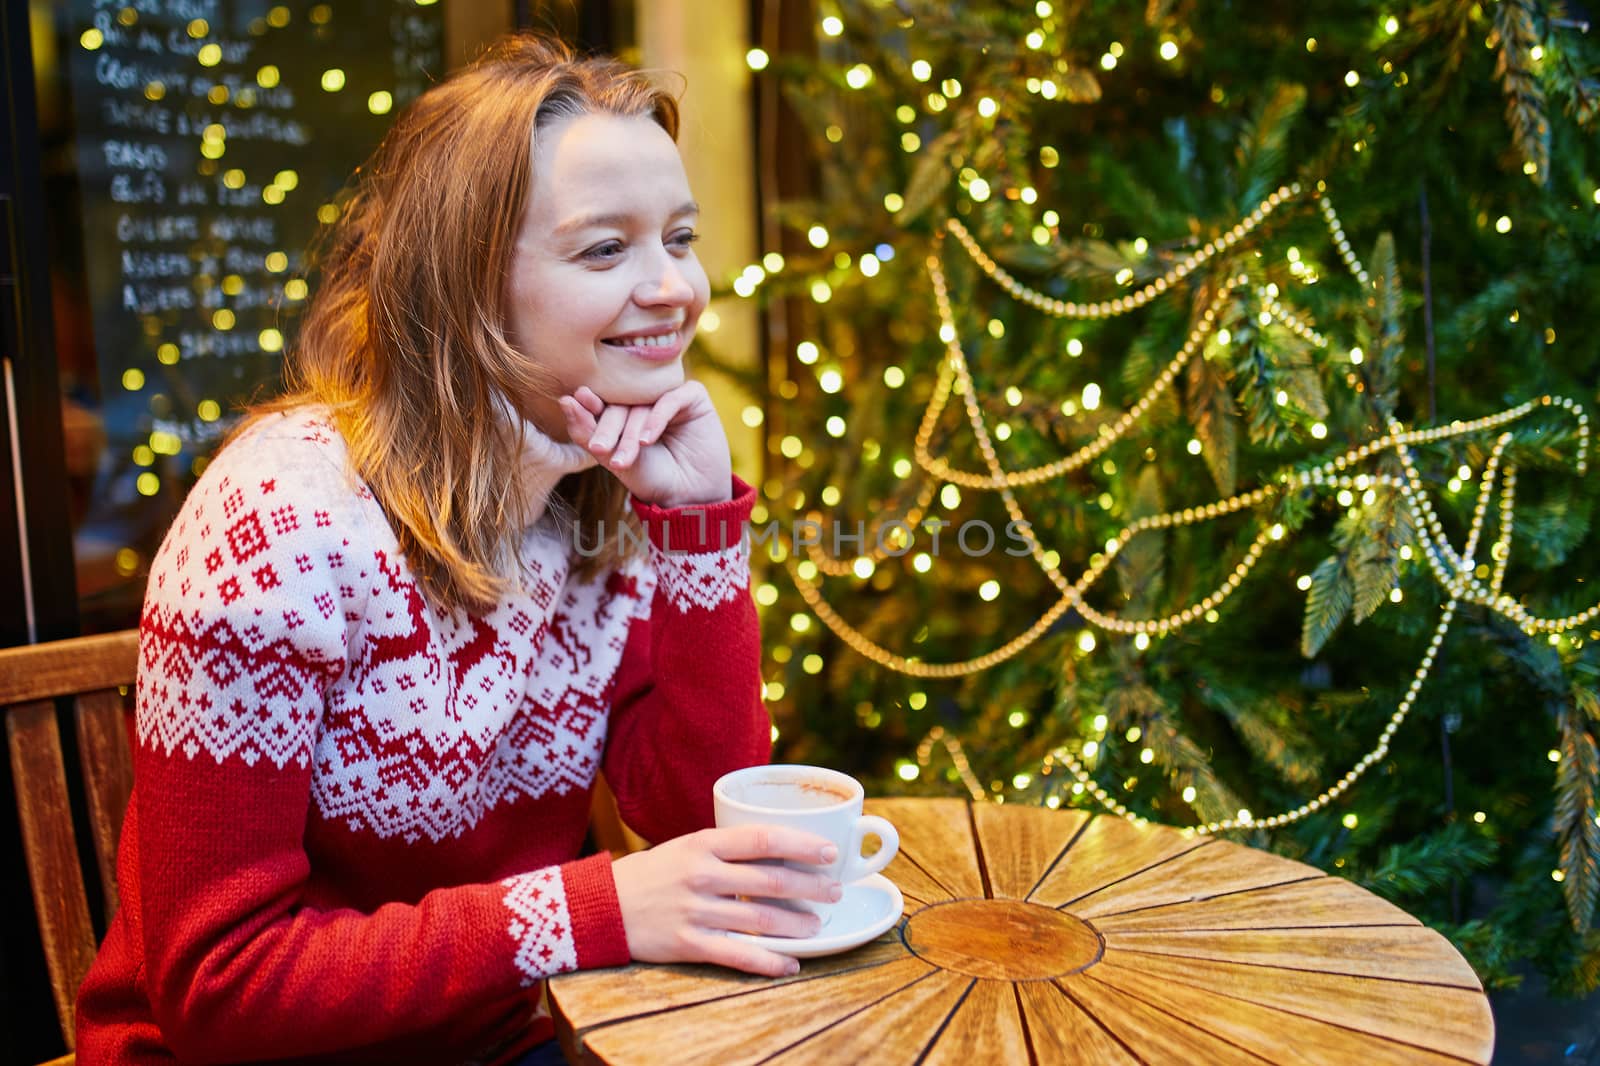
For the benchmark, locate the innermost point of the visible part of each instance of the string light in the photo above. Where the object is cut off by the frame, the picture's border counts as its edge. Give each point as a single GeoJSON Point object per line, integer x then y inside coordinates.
{"type": "Point", "coordinates": [1456, 572]}
{"type": "Point", "coordinates": [954, 370]}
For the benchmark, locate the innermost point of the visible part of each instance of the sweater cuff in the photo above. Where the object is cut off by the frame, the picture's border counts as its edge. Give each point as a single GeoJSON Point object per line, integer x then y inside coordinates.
{"type": "Point", "coordinates": [595, 912]}
{"type": "Point", "coordinates": [698, 528]}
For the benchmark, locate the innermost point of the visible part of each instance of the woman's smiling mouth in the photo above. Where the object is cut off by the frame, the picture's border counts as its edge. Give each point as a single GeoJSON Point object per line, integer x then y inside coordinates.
{"type": "Point", "coordinates": [665, 345]}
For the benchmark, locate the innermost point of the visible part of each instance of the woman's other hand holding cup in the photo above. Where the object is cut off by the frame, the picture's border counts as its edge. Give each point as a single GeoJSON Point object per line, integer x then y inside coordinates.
{"type": "Point", "coordinates": [679, 898]}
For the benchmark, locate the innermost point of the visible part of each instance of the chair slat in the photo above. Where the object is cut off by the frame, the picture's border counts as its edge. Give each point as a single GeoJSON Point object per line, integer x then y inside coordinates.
{"type": "Point", "coordinates": [68, 667]}
{"type": "Point", "coordinates": [44, 811]}
{"type": "Point", "coordinates": [107, 763]}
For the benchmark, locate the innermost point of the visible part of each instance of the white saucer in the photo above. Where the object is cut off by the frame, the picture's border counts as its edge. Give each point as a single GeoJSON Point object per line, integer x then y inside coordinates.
{"type": "Point", "coordinates": [869, 908]}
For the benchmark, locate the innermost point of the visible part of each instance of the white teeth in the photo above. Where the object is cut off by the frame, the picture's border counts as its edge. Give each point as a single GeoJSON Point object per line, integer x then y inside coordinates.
{"type": "Point", "coordinates": [660, 340]}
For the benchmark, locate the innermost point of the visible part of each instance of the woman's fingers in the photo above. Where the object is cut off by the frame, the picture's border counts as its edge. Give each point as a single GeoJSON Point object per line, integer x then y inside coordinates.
{"type": "Point", "coordinates": [742, 843]}
{"type": "Point", "coordinates": [628, 445]}
{"type": "Point", "coordinates": [721, 950]}
{"type": "Point", "coordinates": [590, 400]}
{"type": "Point", "coordinates": [759, 919]}
{"type": "Point", "coordinates": [672, 404]}
{"type": "Point", "coordinates": [580, 423]}
{"type": "Point", "coordinates": [739, 874]}
{"type": "Point", "coordinates": [608, 430]}
{"type": "Point", "coordinates": [772, 881]}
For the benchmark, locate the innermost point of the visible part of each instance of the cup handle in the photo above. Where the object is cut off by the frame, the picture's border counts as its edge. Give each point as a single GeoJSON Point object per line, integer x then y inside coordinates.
{"type": "Point", "coordinates": [856, 865]}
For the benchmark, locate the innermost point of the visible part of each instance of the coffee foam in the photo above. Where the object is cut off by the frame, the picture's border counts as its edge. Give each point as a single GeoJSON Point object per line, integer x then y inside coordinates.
{"type": "Point", "coordinates": [792, 794]}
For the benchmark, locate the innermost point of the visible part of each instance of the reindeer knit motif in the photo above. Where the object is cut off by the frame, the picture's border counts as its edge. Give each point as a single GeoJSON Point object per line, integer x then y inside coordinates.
{"type": "Point", "coordinates": [356, 817]}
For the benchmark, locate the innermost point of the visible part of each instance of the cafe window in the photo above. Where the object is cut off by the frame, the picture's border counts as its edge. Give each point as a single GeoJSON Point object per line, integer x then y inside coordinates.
{"type": "Point", "coordinates": [190, 152]}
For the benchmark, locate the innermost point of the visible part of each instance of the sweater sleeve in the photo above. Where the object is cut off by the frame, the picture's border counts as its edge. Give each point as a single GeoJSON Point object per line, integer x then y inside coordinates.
{"type": "Point", "coordinates": [688, 696]}
{"type": "Point", "coordinates": [255, 602]}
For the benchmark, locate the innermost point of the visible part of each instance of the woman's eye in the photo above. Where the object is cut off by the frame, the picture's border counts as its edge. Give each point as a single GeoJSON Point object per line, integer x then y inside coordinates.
{"type": "Point", "coordinates": [603, 252]}
{"type": "Point", "coordinates": [683, 239]}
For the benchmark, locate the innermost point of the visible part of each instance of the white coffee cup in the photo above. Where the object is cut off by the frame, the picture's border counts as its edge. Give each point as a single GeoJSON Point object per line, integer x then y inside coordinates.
{"type": "Point", "coordinates": [816, 800]}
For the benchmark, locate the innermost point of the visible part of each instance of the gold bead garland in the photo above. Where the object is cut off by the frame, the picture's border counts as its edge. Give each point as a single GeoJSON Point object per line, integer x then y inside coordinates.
{"type": "Point", "coordinates": [1245, 820]}
{"type": "Point", "coordinates": [1340, 241]}
{"type": "Point", "coordinates": [939, 468]}
{"type": "Point", "coordinates": [833, 566]}
{"type": "Point", "coordinates": [1501, 552]}
{"type": "Point", "coordinates": [1122, 304]}
{"type": "Point", "coordinates": [1108, 435]}
{"type": "Point", "coordinates": [1454, 573]}
{"type": "Point", "coordinates": [954, 373]}
{"type": "Point", "coordinates": [873, 652]}
{"type": "Point", "coordinates": [1295, 324]}
{"type": "Point", "coordinates": [1438, 553]}
{"type": "Point", "coordinates": [1457, 572]}
{"type": "Point", "coordinates": [958, 759]}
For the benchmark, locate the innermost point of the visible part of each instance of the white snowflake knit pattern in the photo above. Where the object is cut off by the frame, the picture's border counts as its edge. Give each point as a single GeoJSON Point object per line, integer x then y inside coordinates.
{"type": "Point", "coordinates": [540, 925]}
{"type": "Point", "coordinates": [283, 625]}
{"type": "Point", "coordinates": [702, 579]}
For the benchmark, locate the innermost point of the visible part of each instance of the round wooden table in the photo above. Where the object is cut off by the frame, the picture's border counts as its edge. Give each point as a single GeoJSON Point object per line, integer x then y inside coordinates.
{"type": "Point", "coordinates": [1032, 935]}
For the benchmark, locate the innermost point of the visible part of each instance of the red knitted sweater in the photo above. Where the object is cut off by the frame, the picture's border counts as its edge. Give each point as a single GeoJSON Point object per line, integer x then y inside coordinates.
{"type": "Point", "coordinates": [355, 817]}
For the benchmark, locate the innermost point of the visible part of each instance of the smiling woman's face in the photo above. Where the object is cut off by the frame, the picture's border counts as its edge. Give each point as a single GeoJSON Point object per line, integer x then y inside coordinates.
{"type": "Point", "coordinates": [605, 288]}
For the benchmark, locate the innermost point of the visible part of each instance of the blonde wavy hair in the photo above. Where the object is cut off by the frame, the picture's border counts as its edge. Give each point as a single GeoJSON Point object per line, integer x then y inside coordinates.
{"type": "Point", "coordinates": [405, 340]}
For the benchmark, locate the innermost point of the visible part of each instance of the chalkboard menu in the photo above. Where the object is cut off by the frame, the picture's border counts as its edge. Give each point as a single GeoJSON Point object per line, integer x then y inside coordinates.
{"type": "Point", "coordinates": [213, 137]}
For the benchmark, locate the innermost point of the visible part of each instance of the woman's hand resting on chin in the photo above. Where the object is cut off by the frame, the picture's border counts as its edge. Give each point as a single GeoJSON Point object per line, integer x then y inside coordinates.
{"type": "Point", "coordinates": [672, 453]}
{"type": "Point", "coordinates": [679, 898]}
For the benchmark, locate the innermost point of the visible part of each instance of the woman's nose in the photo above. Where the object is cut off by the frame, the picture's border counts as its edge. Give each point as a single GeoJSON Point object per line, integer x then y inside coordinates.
{"type": "Point", "coordinates": [667, 284]}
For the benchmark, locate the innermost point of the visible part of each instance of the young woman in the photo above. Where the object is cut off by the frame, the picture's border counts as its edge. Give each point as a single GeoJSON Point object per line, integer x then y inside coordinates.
{"type": "Point", "coordinates": [399, 627]}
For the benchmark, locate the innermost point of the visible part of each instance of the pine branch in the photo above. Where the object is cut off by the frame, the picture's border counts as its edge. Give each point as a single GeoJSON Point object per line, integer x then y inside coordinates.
{"type": "Point", "coordinates": [1428, 863]}
{"type": "Point", "coordinates": [1141, 565]}
{"type": "Point", "coordinates": [1275, 381]}
{"type": "Point", "coordinates": [1584, 975]}
{"type": "Point", "coordinates": [1299, 377]}
{"type": "Point", "coordinates": [1161, 209]}
{"type": "Point", "coordinates": [1385, 333]}
{"type": "Point", "coordinates": [1491, 948]}
{"type": "Point", "coordinates": [1260, 153]}
{"type": "Point", "coordinates": [1067, 259]}
{"type": "Point", "coordinates": [1551, 531]}
{"type": "Point", "coordinates": [1273, 737]}
{"type": "Point", "coordinates": [1485, 311]}
{"type": "Point", "coordinates": [1156, 11]}
{"type": "Point", "coordinates": [1446, 25]}
{"type": "Point", "coordinates": [1577, 813]}
{"type": "Point", "coordinates": [1210, 406]}
{"type": "Point", "coordinates": [1078, 85]}
{"type": "Point", "coordinates": [1190, 766]}
{"type": "Point", "coordinates": [1538, 663]}
{"type": "Point", "coordinates": [1370, 538]}
{"type": "Point", "coordinates": [1517, 34]}
{"type": "Point", "coordinates": [932, 177]}
{"type": "Point", "coordinates": [1331, 596]}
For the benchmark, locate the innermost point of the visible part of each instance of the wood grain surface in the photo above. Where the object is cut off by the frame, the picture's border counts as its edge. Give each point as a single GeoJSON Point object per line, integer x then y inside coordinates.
{"type": "Point", "coordinates": [1044, 936]}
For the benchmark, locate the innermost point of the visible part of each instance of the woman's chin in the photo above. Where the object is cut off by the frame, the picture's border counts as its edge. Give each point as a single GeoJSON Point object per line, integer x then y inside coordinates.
{"type": "Point", "coordinates": [641, 391]}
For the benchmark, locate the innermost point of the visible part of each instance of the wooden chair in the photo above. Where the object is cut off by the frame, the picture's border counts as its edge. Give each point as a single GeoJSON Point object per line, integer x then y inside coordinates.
{"type": "Point", "coordinates": [98, 674]}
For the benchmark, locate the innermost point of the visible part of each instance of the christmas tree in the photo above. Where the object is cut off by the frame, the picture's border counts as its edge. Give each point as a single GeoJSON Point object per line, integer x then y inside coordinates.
{"type": "Point", "coordinates": [1182, 414]}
